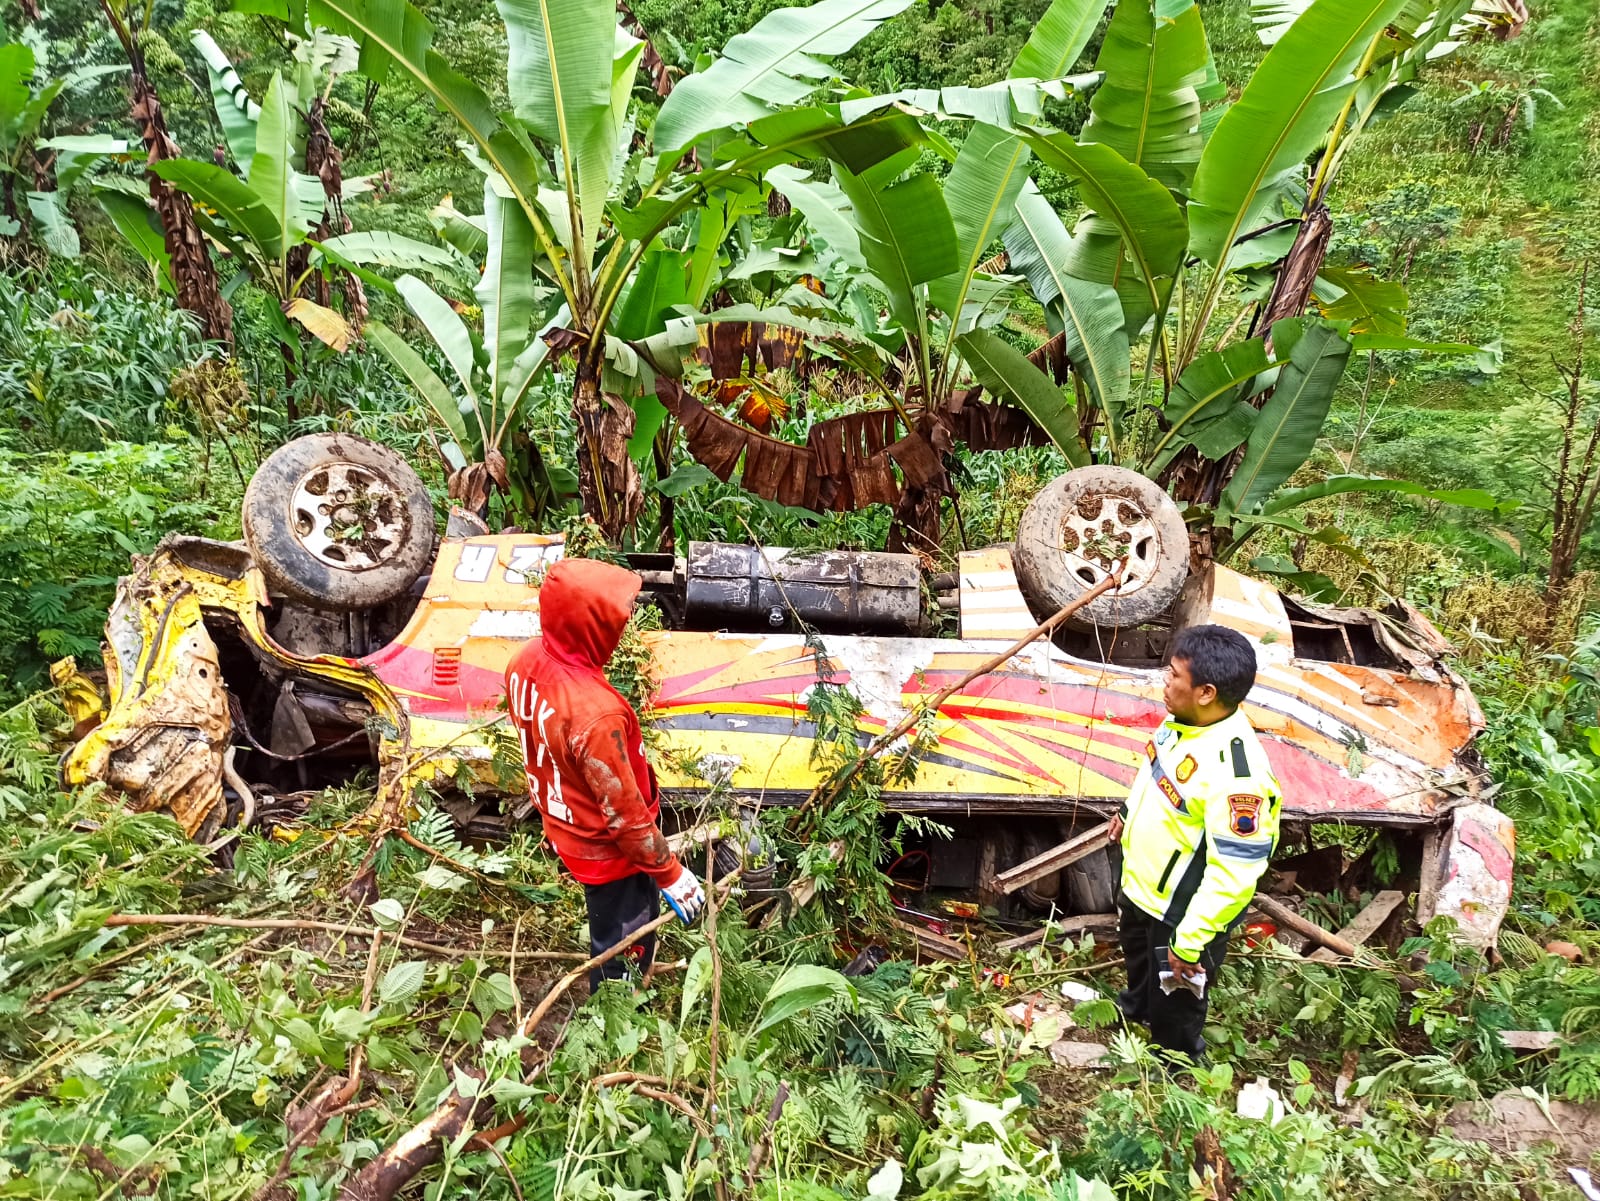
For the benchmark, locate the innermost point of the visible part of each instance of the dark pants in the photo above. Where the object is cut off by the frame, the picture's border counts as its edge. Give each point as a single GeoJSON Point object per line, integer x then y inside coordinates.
{"type": "Point", "coordinates": [1176, 1020]}
{"type": "Point", "coordinates": [615, 911]}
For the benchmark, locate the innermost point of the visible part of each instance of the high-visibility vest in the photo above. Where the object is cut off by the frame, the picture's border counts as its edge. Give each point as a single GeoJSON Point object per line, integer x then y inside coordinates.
{"type": "Point", "coordinates": [1199, 827]}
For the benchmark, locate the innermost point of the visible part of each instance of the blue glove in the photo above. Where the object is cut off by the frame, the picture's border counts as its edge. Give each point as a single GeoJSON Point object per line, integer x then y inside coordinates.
{"type": "Point", "coordinates": [685, 896]}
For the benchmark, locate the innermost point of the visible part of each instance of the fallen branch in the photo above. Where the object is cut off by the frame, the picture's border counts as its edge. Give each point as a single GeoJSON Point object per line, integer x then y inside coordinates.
{"type": "Point", "coordinates": [404, 1153]}
{"type": "Point", "coordinates": [620, 1079]}
{"type": "Point", "coordinates": [306, 1124]}
{"type": "Point", "coordinates": [297, 923]}
{"type": "Point", "coordinates": [531, 1022]}
{"type": "Point", "coordinates": [759, 1151]}
{"type": "Point", "coordinates": [394, 1167]}
{"type": "Point", "coordinates": [830, 788]}
{"type": "Point", "coordinates": [358, 1056]}
{"type": "Point", "coordinates": [676, 1102]}
{"type": "Point", "coordinates": [1078, 924]}
{"type": "Point", "coordinates": [55, 994]}
{"type": "Point", "coordinates": [1285, 916]}
{"type": "Point", "coordinates": [718, 1184]}
{"type": "Point", "coordinates": [1357, 956]}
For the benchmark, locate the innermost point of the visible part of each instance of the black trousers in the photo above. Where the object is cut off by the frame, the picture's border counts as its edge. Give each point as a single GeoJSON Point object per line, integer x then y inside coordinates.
{"type": "Point", "coordinates": [1176, 1020]}
{"type": "Point", "coordinates": [615, 911]}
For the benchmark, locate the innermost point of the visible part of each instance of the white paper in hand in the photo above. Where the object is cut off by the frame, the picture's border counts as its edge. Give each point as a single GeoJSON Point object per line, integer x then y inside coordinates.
{"type": "Point", "coordinates": [1195, 983]}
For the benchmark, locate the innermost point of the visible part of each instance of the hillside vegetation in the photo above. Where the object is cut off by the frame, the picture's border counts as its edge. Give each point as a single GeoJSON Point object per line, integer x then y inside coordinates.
{"type": "Point", "coordinates": [266, 1020]}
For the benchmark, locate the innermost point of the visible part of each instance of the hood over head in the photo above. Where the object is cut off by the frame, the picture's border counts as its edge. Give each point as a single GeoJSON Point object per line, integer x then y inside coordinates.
{"type": "Point", "coordinates": [583, 606]}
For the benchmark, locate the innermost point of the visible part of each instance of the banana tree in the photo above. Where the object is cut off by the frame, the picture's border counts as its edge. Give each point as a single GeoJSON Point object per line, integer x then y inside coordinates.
{"type": "Point", "coordinates": [485, 408]}
{"type": "Point", "coordinates": [893, 228]}
{"type": "Point", "coordinates": [1183, 205]}
{"type": "Point", "coordinates": [268, 217]}
{"type": "Point", "coordinates": [594, 209]}
{"type": "Point", "coordinates": [28, 205]}
{"type": "Point", "coordinates": [183, 251]}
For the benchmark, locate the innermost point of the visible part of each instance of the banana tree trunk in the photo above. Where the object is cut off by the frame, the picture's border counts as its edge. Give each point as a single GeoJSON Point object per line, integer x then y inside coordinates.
{"type": "Point", "coordinates": [608, 481]}
{"type": "Point", "coordinates": [193, 275]}
{"type": "Point", "coordinates": [326, 163]}
{"type": "Point", "coordinates": [1198, 481]}
{"type": "Point", "coordinates": [1291, 291]}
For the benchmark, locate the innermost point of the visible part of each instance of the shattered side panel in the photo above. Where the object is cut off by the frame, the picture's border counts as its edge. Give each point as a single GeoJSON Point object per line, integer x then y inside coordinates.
{"type": "Point", "coordinates": [1255, 610]}
{"type": "Point", "coordinates": [167, 725]}
{"type": "Point", "coordinates": [1475, 869]}
{"type": "Point", "coordinates": [161, 745]}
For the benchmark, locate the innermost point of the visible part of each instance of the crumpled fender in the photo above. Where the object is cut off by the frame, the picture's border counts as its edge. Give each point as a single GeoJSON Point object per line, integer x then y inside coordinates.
{"type": "Point", "coordinates": [162, 740]}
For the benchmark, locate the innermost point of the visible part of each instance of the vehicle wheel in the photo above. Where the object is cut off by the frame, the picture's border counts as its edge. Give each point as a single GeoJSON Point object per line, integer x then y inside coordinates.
{"type": "Point", "coordinates": [338, 522]}
{"type": "Point", "coordinates": [1081, 525]}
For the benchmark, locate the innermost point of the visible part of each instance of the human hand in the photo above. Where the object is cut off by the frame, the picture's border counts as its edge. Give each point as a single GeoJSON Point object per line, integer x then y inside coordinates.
{"type": "Point", "coordinates": [1182, 969]}
{"type": "Point", "coordinates": [1116, 827]}
{"type": "Point", "coordinates": [685, 896]}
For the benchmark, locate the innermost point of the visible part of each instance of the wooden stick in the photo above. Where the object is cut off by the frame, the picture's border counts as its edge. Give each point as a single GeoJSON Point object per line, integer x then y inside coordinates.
{"type": "Point", "coordinates": [1365, 925]}
{"type": "Point", "coordinates": [55, 994]}
{"type": "Point", "coordinates": [285, 923]}
{"type": "Point", "coordinates": [1066, 925]}
{"type": "Point", "coordinates": [759, 1151]}
{"type": "Point", "coordinates": [1063, 855]}
{"type": "Point", "coordinates": [386, 1174]}
{"type": "Point", "coordinates": [830, 788]}
{"type": "Point", "coordinates": [718, 1184]}
{"type": "Point", "coordinates": [1285, 916]}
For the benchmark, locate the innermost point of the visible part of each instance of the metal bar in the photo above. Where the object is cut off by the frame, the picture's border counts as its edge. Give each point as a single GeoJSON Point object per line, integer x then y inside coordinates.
{"type": "Point", "coordinates": [1053, 860]}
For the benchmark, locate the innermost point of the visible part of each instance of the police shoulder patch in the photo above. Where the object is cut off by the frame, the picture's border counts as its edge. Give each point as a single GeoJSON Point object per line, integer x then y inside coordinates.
{"type": "Point", "coordinates": [1186, 769]}
{"type": "Point", "coordinates": [1244, 813]}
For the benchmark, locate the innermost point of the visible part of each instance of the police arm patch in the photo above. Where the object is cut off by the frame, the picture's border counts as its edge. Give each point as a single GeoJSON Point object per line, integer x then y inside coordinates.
{"type": "Point", "coordinates": [1244, 813]}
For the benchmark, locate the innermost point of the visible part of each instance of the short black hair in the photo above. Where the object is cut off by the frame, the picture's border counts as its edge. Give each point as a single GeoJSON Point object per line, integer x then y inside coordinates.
{"type": "Point", "coordinates": [1220, 657]}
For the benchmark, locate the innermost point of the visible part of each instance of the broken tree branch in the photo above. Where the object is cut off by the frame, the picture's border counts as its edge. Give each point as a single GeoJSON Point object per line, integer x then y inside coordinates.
{"type": "Point", "coordinates": [286, 923]}
{"type": "Point", "coordinates": [759, 1151]}
{"type": "Point", "coordinates": [830, 788]}
{"type": "Point", "coordinates": [138, 948]}
{"type": "Point", "coordinates": [394, 1167]}
{"type": "Point", "coordinates": [716, 1014]}
{"type": "Point", "coordinates": [1078, 924]}
{"type": "Point", "coordinates": [1285, 916]}
{"type": "Point", "coordinates": [404, 1152]}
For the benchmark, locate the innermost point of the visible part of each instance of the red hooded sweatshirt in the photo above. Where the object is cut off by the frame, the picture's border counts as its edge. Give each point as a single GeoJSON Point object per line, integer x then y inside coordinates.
{"type": "Point", "coordinates": [585, 758]}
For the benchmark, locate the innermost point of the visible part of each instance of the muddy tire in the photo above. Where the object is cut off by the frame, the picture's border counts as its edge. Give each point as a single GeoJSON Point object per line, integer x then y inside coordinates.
{"type": "Point", "coordinates": [338, 522]}
{"type": "Point", "coordinates": [1080, 525]}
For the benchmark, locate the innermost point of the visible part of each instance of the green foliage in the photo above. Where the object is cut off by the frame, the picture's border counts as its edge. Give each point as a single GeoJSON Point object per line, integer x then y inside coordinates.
{"type": "Point", "coordinates": [68, 522]}
{"type": "Point", "coordinates": [83, 363]}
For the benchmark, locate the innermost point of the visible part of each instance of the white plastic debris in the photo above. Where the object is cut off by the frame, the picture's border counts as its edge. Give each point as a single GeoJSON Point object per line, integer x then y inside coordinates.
{"type": "Point", "coordinates": [1585, 1183]}
{"type": "Point", "coordinates": [1259, 1100]}
{"type": "Point", "coordinates": [1076, 990]}
{"type": "Point", "coordinates": [886, 1181]}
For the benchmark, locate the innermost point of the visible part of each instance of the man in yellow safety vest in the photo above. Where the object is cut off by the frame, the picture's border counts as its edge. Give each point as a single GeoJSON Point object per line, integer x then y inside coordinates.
{"type": "Point", "coordinates": [1197, 832]}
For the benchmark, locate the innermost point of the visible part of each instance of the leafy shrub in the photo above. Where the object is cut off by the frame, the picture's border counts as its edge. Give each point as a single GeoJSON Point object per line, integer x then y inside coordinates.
{"type": "Point", "coordinates": [69, 521]}
{"type": "Point", "coordinates": [83, 363]}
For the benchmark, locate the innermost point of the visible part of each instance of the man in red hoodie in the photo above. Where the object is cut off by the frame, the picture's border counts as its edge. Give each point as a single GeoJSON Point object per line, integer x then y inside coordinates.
{"type": "Point", "coordinates": [585, 761]}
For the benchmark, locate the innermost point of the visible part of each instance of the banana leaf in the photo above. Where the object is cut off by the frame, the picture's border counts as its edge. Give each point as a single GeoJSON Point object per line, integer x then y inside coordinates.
{"type": "Point", "coordinates": [773, 65]}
